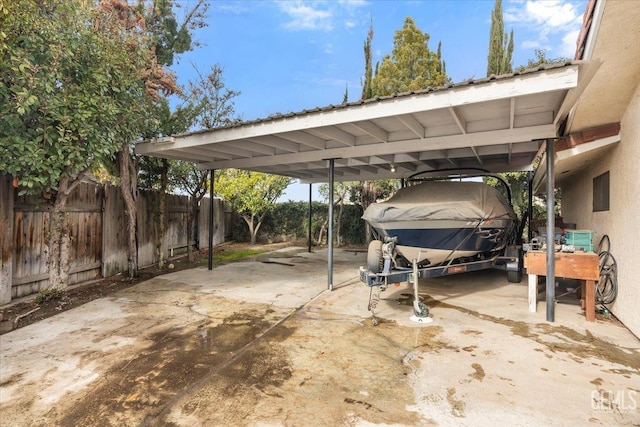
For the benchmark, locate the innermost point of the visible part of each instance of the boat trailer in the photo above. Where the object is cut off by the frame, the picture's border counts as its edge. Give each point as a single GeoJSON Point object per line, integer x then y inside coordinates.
{"type": "Point", "coordinates": [382, 255]}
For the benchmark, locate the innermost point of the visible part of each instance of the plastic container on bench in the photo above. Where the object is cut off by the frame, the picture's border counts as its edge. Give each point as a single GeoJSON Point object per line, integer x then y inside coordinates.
{"type": "Point", "coordinates": [580, 239]}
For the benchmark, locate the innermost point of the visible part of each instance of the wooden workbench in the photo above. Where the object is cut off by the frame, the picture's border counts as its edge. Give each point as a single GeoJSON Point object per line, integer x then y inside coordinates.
{"type": "Point", "coordinates": [578, 265]}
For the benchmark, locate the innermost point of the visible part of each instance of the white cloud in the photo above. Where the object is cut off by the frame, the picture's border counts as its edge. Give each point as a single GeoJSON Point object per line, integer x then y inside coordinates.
{"type": "Point", "coordinates": [233, 8]}
{"type": "Point", "coordinates": [320, 15]}
{"type": "Point", "coordinates": [561, 19]}
{"type": "Point", "coordinates": [350, 24]}
{"type": "Point", "coordinates": [531, 44]}
{"type": "Point", "coordinates": [303, 16]}
{"type": "Point", "coordinates": [568, 48]}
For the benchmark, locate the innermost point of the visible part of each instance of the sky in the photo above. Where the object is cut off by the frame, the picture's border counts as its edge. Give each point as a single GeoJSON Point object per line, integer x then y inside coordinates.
{"type": "Point", "coordinates": [288, 56]}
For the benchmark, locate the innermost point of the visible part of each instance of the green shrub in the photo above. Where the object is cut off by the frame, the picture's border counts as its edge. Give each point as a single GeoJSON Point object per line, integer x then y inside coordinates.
{"type": "Point", "coordinates": [289, 221]}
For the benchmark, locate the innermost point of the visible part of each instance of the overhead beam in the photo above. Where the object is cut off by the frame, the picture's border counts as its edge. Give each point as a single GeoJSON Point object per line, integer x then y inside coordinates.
{"type": "Point", "coordinates": [503, 136]}
{"type": "Point", "coordinates": [304, 138]}
{"type": "Point", "coordinates": [431, 163]}
{"type": "Point", "coordinates": [407, 166]}
{"type": "Point", "coordinates": [335, 134]}
{"type": "Point", "coordinates": [256, 146]}
{"type": "Point", "coordinates": [227, 149]}
{"type": "Point", "coordinates": [277, 143]}
{"type": "Point", "coordinates": [370, 169]}
{"type": "Point", "coordinates": [192, 157]}
{"type": "Point", "coordinates": [373, 130]}
{"type": "Point", "coordinates": [445, 155]}
{"type": "Point", "coordinates": [388, 158]}
{"type": "Point", "coordinates": [459, 119]}
{"type": "Point", "coordinates": [413, 125]}
{"type": "Point", "coordinates": [512, 113]}
{"type": "Point", "coordinates": [475, 153]}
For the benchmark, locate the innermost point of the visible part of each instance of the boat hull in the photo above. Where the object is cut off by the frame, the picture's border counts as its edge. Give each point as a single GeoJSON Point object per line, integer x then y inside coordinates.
{"type": "Point", "coordinates": [440, 241]}
{"type": "Point", "coordinates": [436, 222]}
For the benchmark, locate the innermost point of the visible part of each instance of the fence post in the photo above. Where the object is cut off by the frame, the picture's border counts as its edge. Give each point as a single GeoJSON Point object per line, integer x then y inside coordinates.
{"type": "Point", "coordinates": [6, 238]}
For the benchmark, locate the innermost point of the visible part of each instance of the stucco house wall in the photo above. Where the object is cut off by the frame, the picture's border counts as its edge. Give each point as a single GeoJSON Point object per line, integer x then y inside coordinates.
{"type": "Point", "coordinates": [622, 221]}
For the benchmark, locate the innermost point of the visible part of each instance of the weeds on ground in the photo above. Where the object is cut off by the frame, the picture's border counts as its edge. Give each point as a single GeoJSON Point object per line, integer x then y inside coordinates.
{"type": "Point", "coordinates": [50, 294]}
{"type": "Point", "coordinates": [236, 254]}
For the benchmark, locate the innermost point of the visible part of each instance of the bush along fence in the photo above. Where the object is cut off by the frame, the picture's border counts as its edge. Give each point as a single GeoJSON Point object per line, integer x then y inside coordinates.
{"type": "Point", "coordinates": [98, 232]}
{"type": "Point", "coordinates": [289, 222]}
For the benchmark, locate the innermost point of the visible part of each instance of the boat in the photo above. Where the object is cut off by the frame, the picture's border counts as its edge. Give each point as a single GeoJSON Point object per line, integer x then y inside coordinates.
{"type": "Point", "coordinates": [442, 222]}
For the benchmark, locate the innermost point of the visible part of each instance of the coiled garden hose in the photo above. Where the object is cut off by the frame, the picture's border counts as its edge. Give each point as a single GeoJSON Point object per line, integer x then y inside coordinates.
{"type": "Point", "coordinates": [607, 287]}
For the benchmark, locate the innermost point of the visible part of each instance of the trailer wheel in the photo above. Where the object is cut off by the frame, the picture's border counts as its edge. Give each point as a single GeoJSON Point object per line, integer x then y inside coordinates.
{"type": "Point", "coordinates": [514, 276]}
{"type": "Point", "coordinates": [375, 261]}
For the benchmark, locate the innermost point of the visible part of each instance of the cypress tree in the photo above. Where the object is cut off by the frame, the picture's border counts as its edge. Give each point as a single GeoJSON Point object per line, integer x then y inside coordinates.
{"type": "Point", "coordinates": [368, 70]}
{"type": "Point", "coordinates": [499, 59]}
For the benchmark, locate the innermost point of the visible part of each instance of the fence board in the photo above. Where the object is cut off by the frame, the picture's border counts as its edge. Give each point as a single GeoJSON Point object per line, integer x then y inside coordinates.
{"type": "Point", "coordinates": [114, 233]}
{"type": "Point", "coordinates": [6, 238]}
{"type": "Point", "coordinates": [177, 236]}
{"type": "Point", "coordinates": [147, 216]}
{"type": "Point", "coordinates": [218, 219]}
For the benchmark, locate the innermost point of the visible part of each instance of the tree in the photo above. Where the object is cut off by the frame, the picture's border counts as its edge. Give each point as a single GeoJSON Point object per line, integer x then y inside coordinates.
{"type": "Point", "coordinates": [251, 194]}
{"type": "Point", "coordinates": [411, 65]}
{"type": "Point", "coordinates": [170, 37]}
{"type": "Point", "coordinates": [128, 22]}
{"type": "Point", "coordinates": [154, 172]}
{"type": "Point", "coordinates": [541, 59]}
{"type": "Point", "coordinates": [210, 104]}
{"type": "Point", "coordinates": [62, 115]}
{"type": "Point", "coordinates": [367, 91]}
{"type": "Point", "coordinates": [341, 190]}
{"type": "Point", "coordinates": [499, 60]}
{"type": "Point", "coordinates": [166, 37]}
{"type": "Point", "coordinates": [212, 100]}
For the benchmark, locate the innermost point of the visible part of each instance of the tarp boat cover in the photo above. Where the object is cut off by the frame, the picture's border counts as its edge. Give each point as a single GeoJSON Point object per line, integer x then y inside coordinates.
{"type": "Point", "coordinates": [441, 200]}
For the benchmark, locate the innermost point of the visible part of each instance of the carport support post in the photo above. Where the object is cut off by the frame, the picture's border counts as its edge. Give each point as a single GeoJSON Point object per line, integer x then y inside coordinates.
{"type": "Point", "coordinates": [551, 225]}
{"type": "Point", "coordinates": [330, 227]}
{"type": "Point", "coordinates": [212, 176]}
{"type": "Point", "coordinates": [530, 207]}
{"type": "Point", "coordinates": [310, 213]}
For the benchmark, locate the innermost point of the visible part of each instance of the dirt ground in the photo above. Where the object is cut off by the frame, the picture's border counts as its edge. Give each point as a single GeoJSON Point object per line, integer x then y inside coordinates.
{"type": "Point", "coordinates": [28, 311]}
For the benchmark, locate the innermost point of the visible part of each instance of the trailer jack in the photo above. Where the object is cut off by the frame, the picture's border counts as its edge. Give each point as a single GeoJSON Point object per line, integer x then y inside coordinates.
{"type": "Point", "coordinates": [420, 309]}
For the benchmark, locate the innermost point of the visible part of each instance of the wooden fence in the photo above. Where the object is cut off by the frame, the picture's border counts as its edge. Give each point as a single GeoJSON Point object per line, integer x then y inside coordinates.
{"type": "Point", "coordinates": [98, 229]}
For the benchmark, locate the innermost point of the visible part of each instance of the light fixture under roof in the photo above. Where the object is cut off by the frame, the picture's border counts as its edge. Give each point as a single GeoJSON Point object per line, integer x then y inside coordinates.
{"type": "Point", "coordinates": [393, 167]}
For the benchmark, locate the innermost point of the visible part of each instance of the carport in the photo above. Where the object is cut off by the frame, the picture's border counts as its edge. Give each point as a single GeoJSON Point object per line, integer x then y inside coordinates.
{"type": "Point", "coordinates": [499, 124]}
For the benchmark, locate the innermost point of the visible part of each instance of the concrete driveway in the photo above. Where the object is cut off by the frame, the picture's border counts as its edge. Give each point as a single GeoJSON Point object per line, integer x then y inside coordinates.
{"type": "Point", "coordinates": [263, 344]}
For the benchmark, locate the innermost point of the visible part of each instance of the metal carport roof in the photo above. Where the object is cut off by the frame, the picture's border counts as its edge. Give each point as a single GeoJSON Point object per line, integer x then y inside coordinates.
{"type": "Point", "coordinates": [494, 123]}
